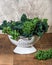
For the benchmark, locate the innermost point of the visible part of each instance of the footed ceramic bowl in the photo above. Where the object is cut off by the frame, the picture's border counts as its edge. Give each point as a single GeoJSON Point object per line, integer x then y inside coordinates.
{"type": "Point", "coordinates": [24, 45]}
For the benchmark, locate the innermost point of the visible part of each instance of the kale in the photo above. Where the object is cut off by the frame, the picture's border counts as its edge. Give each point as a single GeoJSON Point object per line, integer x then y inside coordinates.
{"type": "Point", "coordinates": [7, 30]}
{"type": "Point", "coordinates": [29, 26]}
{"type": "Point", "coordinates": [41, 27]}
{"type": "Point", "coordinates": [45, 25]}
{"type": "Point", "coordinates": [23, 18]}
{"type": "Point", "coordinates": [18, 28]}
{"type": "Point", "coordinates": [4, 24]}
{"type": "Point", "coordinates": [43, 54]}
{"type": "Point", "coordinates": [14, 34]}
{"type": "Point", "coordinates": [12, 24]}
{"type": "Point", "coordinates": [26, 27]}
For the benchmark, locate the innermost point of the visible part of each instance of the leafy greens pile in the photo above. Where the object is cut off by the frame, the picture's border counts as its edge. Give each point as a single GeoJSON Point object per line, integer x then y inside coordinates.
{"type": "Point", "coordinates": [43, 54]}
{"type": "Point", "coordinates": [25, 27]}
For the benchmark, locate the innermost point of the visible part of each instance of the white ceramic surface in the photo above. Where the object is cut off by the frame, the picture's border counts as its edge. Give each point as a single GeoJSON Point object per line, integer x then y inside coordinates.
{"type": "Point", "coordinates": [21, 50]}
{"type": "Point", "coordinates": [23, 42]}
{"type": "Point", "coordinates": [23, 45]}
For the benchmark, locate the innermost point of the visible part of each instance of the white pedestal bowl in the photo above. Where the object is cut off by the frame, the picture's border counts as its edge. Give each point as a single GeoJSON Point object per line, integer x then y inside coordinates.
{"type": "Point", "coordinates": [24, 45]}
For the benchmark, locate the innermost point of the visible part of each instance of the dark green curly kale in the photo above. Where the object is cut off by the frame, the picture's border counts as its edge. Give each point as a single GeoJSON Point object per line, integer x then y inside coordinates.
{"type": "Point", "coordinates": [41, 27]}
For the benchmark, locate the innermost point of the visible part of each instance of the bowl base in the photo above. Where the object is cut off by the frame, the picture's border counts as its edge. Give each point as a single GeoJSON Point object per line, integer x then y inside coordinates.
{"type": "Point", "coordinates": [20, 50]}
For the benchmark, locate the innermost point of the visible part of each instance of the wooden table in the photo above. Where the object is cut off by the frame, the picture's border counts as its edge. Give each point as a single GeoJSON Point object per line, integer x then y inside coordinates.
{"type": "Point", "coordinates": [7, 57]}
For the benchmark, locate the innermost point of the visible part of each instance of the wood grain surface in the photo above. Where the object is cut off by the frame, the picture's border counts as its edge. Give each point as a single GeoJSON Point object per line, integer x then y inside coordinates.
{"type": "Point", "coordinates": [7, 57]}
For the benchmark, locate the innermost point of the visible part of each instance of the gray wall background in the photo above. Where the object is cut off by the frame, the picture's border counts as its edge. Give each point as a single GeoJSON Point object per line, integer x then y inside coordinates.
{"type": "Point", "coordinates": [13, 9]}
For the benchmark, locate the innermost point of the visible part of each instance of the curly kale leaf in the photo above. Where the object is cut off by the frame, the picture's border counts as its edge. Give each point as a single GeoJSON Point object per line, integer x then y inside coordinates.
{"type": "Point", "coordinates": [4, 24]}
{"type": "Point", "coordinates": [43, 54]}
{"type": "Point", "coordinates": [14, 34]}
{"type": "Point", "coordinates": [45, 25]}
{"type": "Point", "coordinates": [23, 17]}
{"type": "Point", "coordinates": [28, 28]}
{"type": "Point", "coordinates": [41, 27]}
